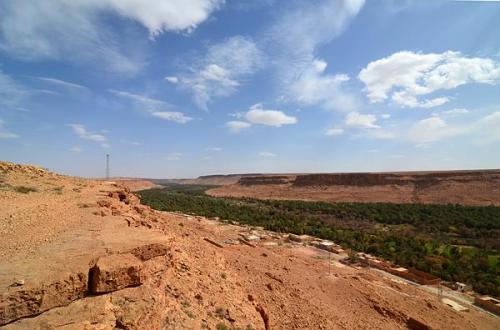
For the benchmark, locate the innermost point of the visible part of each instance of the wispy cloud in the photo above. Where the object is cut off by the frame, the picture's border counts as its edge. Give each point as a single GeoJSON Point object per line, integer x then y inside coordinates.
{"type": "Point", "coordinates": [334, 131]}
{"type": "Point", "coordinates": [293, 42]}
{"type": "Point", "coordinates": [75, 149]}
{"type": "Point", "coordinates": [174, 156]}
{"type": "Point", "coordinates": [72, 30]}
{"type": "Point", "coordinates": [142, 100]}
{"type": "Point", "coordinates": [219, 72]}
{"type": "Point", "coordinates": [153, 107]}
{"type": "Point", "coordinates": [433, 129]}
{"type": "Point", "coordinates": [83, 133]}
{"type": "Point", "coordinates": [63, 83]}
{"type": "Point", "coordinates": [456, 112]}
{"type": "Point", "coordinates": [12, 93]}
{"type": "Point", "coordinates": [5, 133]}
{"type": "Point", "coordinates": [174, 116]}
{"type": "Point", "coordinates": [313, 87]}
{"type": "Point", "coordinates": [266, 154]}
{"type": "Point", "coordinates": [131, 143]}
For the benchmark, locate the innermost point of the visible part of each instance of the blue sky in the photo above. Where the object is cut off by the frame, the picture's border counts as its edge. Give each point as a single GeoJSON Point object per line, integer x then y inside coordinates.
{"type": "Point", "coordinates": [183, 88]}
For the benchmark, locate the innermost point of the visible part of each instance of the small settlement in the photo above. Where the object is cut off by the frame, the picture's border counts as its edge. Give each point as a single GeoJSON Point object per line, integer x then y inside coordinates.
{"type": "Point", "coordinates": [251, 235]}
{"type": "Point", "coordinates": [490, 304]}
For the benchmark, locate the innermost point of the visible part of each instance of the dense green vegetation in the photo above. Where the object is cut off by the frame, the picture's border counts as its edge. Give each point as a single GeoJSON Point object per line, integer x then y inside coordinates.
{"type": "Point", "coordinates": [456, 243]}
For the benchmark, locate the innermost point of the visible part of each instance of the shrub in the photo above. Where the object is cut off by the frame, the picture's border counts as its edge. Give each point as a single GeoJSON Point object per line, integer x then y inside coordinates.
{"type": "Point", "coordinates": [24, 189]}
{"type": "Point", "coordinates": [221, 326]}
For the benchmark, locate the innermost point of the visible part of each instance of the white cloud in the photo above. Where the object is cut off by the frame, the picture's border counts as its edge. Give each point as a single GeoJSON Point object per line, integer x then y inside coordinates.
{"type": "Point", "coordinates": [73, 30]}
{"type": "Point", "coordinates": [174, 156]}
{"type": "Point", "coordinates": [266, 154]}
{"type": "Point", "coordinates": [405, 76]}
{"type": "Point", "coordinates": [314, 87]}
{"type": "Point", "coordinates": [433, 129]}
{"type": "Point", "coordinates": [172, 79]}
{"type": "Point", "coordinates": [334, 131]}
{"type": "Point", "coordinates": [237, 126]}
{"type": "Point", "coordinates": [219, 72]}
{"type": "Point", "coordinates": [62, 83]}
{"type": "Point", "coordinates": [357, 120]}
{"type": "Point", "coordinates": [214, 149]}
{"type": "Point", "coordinates": [258, 115]}
{"type": "Point", "coordinates": [385, 116]}
{"type": "Point", "coordinates": [162, 16]}
{"type": "Point", "coordinates": [177, 117]}
{"type": "Point", "coordinates": [82, 132]}
{"type": "Point", "coordinates": [5, 133]}
{"type": "Point", "coordinates": [456, 112]}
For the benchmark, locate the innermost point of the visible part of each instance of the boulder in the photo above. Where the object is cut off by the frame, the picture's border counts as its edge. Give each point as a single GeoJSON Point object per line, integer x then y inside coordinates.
{"type": "Point", "coordinates": [115, 272]}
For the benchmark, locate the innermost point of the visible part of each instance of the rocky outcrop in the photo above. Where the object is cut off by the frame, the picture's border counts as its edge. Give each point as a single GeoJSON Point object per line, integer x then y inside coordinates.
{"type": "Point", "coordinates": [7, 167]}
{"type": "Point", "coordinates": [115, 272]}
{"type": "Point", "coordinates": [35, 298]}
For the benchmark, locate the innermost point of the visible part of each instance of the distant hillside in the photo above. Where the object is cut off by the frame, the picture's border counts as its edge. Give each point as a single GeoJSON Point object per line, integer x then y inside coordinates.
{"type": "Point", "coordinates": [477, 187]}
{"type": "Point", "coordinates": [215, 180]}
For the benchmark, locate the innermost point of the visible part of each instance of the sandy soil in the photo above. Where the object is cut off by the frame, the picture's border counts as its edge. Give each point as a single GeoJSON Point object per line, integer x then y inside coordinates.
{"type": "Point", "coordinates": [52, 236]}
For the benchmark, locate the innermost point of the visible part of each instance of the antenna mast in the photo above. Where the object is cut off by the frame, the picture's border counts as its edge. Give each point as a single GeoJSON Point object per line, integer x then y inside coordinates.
{"type": "Point", "coordinates": [107, 166]}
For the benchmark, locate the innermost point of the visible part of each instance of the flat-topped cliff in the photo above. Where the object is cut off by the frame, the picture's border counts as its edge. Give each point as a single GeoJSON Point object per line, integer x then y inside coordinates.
{"type": "Point", "coordinates": [478, 187]}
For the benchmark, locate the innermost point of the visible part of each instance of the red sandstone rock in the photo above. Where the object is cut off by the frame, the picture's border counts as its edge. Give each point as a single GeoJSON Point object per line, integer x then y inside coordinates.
{"type": "Point", "coordinates": [115, 272]}
{"type": "Point", "coordinates": [150, 251]}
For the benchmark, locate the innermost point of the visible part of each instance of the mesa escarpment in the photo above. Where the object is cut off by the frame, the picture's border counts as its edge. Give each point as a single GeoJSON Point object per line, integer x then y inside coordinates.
{"type": "Point", "coordinates": [265, 179]}
{"type": "Point", "coordinates": [460, 187]}
{"type": "Point", "coordinates": [373, 179]}
{"type": "Point", "coordinates": [85, 254]}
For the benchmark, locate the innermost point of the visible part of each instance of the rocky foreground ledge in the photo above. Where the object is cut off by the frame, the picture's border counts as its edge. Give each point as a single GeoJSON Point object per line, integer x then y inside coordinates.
{"type": "Point", "coordinates": [85, 254]}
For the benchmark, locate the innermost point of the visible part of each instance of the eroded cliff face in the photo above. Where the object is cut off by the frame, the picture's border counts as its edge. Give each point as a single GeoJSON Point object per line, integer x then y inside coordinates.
{"type": "Point", "coordinates": [266, 179]}
{"type": "Point", "coordinates": [373, 179]}
{"type": "Point", "coordinates": [480, 187]}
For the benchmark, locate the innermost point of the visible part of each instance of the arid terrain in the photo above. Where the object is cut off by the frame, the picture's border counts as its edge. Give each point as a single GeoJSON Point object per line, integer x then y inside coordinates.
{"type": "Point", "coordinates": [136, 184]}
{"type": "Point", "coordinates": [85, 254]}
{"type": "Point", "coordinates": [480, 187]}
